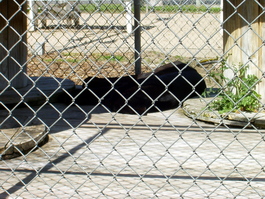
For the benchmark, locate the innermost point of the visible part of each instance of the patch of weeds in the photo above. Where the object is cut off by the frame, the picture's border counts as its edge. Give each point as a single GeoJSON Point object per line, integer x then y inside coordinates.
{"type": "Point", "coordinates": [239, 92]}
{"type": "Point", "coordinates": [73, 60]}
{"type": "Point", "coordinates": [69, 60]}
{"type": "Point", "coordinates": [118, 8]}
{"type": "Point", "coordinates": [110, 58]}
{"type": "Point", "coordinates": [107, 8]}
{"type": "Point", "coordinates": [48, 59]}
{"type": "Point", "coordinates": [184, 8]}
{"type": "Point", "coordinates": [179, 58]}
{"type": "Point", "coordinates": [71, 54]}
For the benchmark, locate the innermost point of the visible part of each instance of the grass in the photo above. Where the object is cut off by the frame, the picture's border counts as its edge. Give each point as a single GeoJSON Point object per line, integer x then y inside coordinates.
{"type": "Point", "coordinates": [110, 8]}
{"type": "Point", "coordinates": [186, 8]}
{"type": "Point", "coordinates": [75, 58]}
{"type": "Point", "coordinates": [117, 8]}
{"type": "Point", "coordinates": [111, 58]}
{"type": "Point", "coordinates": [55, 60]}
{"type": "Point", "coordinates": [77, 66]}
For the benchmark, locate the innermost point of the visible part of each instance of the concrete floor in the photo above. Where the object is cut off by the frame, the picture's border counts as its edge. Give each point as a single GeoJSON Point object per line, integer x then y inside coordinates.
{"type": "Point", "coordinates": [93, 153]}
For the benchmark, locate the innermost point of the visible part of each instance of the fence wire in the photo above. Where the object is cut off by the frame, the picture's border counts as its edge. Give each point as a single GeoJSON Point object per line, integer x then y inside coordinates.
{"type": "Point", "coordinates": [78, 121]}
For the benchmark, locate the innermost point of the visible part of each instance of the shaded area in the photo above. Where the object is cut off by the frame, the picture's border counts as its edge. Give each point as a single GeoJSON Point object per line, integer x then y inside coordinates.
{"type": "Point", "coordinates": [46, 169]}
{"type": "Point", "coordinates": [100, 27]}
{"type": "Point", "coordinates": [165, 88]}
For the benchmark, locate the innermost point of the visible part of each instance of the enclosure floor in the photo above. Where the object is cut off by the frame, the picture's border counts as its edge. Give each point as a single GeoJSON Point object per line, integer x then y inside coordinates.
{"type": "Point", "coordinates": [171, 33]}
{"type": "Point", "coordinates": [98, 154]}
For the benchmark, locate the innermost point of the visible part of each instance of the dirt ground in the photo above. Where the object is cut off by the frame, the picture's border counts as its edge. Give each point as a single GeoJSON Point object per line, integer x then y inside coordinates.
{"type": "Point", "coordinates": [77, 67]}
{"type": "Point", "coordinates": [96, 50]}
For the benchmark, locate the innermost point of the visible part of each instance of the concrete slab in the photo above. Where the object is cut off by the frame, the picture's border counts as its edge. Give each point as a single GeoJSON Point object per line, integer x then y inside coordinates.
{"type": "Point", "coordinates": [93, 153]}
{"type": "Point", "coordinates": [17, 141]}
{"type": "Point", "coordinates": [22, 132]}
{"type": "Point", "coordinates": [197, 109]}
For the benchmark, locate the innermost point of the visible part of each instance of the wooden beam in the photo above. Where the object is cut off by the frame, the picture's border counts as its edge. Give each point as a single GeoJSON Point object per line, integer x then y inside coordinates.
{"type": "Point", "coordinates": [13, 48]}
{"type": "Point", "coordinates": [244, 33]}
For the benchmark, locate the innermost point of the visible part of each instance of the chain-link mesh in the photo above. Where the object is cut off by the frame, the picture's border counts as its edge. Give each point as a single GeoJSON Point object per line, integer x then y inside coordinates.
{"type": "Point", "coordinates": [99, 102]}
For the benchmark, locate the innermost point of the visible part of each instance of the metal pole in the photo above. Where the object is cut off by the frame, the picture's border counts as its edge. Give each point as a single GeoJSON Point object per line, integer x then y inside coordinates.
{"type": "Point", "coordinates": [137, 37]}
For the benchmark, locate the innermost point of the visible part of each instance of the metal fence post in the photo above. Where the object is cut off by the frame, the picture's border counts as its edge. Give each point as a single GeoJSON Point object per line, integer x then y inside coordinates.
{"type": "Point", "coordinates": [137, 36]}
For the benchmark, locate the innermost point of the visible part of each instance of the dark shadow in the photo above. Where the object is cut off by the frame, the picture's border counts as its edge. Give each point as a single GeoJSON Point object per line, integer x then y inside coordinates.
{"type": "Point", "coordinates": [165, 88]}
{"type": "Point", "coordinates": [46, 168]}
{"type": "Point", "coordinates": [101, 39]}
{"type": "Point", "coordinates": [108, 36]}
{"type": "Point", "coordinates": [99, 27]}
{"type": "Point", "coordinates": [50, 114]}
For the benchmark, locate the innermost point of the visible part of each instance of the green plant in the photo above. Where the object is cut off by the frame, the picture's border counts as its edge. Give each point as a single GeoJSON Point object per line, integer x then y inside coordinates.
{"type": "Point", "coordinates": [239, 92]}
{"type": "Point", "coordinates": [70, 60]}
{"type": "Point", "coordinates": [109, 57]}
{"type": "Point", "coordinates": [118, 8]}
{"type": "Point", "coordinates": [108, 8]}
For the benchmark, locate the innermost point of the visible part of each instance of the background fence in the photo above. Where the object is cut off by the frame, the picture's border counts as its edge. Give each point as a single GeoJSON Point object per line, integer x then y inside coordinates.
{"type": "Point", "coordinates": [55, 144]}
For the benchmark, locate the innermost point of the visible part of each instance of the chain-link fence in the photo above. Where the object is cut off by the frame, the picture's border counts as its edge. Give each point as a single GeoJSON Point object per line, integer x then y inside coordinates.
{"type": "Point", "coordinates": [132, 99]}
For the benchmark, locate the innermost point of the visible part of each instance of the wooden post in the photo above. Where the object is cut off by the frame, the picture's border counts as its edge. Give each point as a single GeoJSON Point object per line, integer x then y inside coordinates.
{"type": "Point", "coordinates": [154, 3]}
{"type": "Point", "coordinates": [244, 33]}
{"type": "Point", "coordinates": [32, 13]}
{"type": "Point", "coordinates": [198, 3]}
{"type": "Point", "coordinates": [128, 9]}
{"type": "Point", "coordinates": [13, 49]}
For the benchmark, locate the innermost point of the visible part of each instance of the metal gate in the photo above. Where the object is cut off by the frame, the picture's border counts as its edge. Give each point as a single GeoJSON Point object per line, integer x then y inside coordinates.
{"type": "Point", "coordinates": [94, 104]}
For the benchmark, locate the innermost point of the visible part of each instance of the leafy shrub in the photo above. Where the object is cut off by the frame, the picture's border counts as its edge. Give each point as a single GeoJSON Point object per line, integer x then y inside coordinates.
{"type": "Point", "coordinates": [239, 92]}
